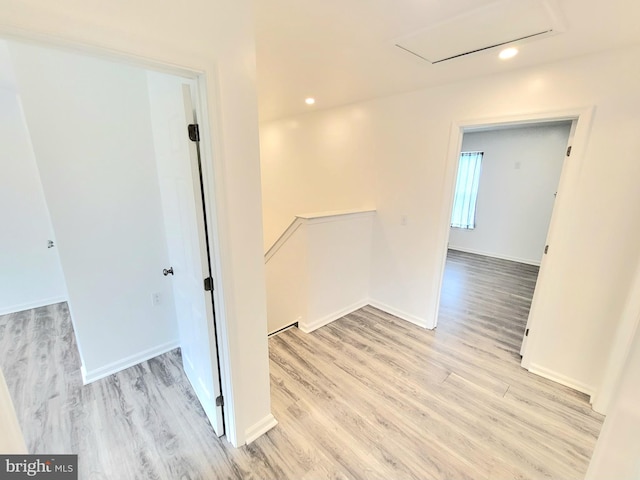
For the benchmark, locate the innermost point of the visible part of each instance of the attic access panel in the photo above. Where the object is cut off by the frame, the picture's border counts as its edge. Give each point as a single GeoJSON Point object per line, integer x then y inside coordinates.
{"type": "Point", "coordinates": [496, 24]}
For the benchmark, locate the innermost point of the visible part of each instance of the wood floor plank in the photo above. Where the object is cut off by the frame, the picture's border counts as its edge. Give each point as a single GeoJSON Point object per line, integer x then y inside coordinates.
{"type": "Point", "coordinates": [395, 412]}
{"type": "Point", "coordinates": [369, 396]}
{"type": "Point", "coordinates": [377, 413]}
{"type": "Point", "coordinates": [526, 442]}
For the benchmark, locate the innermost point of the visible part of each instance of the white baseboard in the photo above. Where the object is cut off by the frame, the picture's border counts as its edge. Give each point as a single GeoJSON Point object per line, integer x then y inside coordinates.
{"type": "Point", "coordinates": [495, 255]}
{"type": "Point", "coordinates": [30, 305]}
{"type": "Point", "coordinates": [561, 379]}
{"type": "Point", "coordinates": [310, 326]}
{"type": "Point", "coordinates": [89, 376]}
{"type": "Point", "coordinates": [420, 322]}
{"type": "Point", "coordinates": [260, 428]}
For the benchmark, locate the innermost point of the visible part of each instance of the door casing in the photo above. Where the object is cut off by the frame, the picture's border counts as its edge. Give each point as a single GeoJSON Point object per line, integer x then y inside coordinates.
{"type": "Point", "coordinates": [208, 146]}
{"type": "Point", "coordinates": [568, 179]}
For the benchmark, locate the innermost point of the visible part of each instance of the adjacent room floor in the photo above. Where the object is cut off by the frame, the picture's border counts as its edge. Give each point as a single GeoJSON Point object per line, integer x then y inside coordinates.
{"type": "Point", "coordinates": [368, 396]}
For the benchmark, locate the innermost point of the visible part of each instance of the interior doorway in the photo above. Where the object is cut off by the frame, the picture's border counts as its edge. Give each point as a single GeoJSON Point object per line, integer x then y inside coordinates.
{"type": "Point", "coordinates": [506, 187]}
{"type": "Point", "coordinates": [120, 224]}
{"type": "Point", "coordinates": [580, 119]}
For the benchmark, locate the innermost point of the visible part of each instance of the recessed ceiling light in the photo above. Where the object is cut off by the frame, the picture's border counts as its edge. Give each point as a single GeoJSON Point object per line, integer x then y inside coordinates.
{"type": "Point", "coordinates": [508, 53]}
{"type": "Point", "coordinates": [309, 101]}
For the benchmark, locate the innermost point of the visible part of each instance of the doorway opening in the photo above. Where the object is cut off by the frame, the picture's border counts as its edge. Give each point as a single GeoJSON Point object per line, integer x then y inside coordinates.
{"type": "Point", "coordinates": [506, 186]}
{"type": "Point", "coordinates": [531, 290]}
{"type": "Point", "coordinates": [126, 193]}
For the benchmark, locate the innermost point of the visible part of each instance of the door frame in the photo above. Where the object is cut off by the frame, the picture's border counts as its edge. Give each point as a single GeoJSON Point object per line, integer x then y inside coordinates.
{"type": "Point", "coordinates": [569, 178]}
{"type": "Point", "coordinates": [210, 148]}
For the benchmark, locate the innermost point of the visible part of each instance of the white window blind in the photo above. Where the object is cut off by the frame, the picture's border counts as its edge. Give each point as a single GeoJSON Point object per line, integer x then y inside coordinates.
{"type": "Point", "coordinates": [466, 194]}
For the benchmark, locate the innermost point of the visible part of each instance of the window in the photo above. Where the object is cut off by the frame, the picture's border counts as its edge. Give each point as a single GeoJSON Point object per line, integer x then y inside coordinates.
{"type": "Point", "coordinates": [466, 195]}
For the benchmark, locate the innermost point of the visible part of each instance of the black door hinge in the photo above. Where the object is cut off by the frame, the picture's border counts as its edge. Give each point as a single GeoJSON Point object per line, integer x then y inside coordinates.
{"type": "Point", "coordinates": [194, 132]}
{"type": "Point", "coordinates": [569, 151]}
{"type": "Point", "coordinates": [208, 284]}
{"type": "Point", "coordinates": [546, 249]}
{"type": "Point", "coordinates": [219, 401]}
{"type": "Point", "coordinates": [526, 332]}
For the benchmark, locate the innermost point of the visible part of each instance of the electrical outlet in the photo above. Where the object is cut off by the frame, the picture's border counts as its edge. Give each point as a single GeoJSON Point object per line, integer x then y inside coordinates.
{"type": "Point", "coordinates": [404, 219]}
{"type": "Point", "coordinates": [156, 299]}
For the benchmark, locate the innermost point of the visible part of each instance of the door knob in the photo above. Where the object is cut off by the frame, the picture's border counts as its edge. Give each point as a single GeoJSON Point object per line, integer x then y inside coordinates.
{"type": "Point", "coordinates": [167, 271]}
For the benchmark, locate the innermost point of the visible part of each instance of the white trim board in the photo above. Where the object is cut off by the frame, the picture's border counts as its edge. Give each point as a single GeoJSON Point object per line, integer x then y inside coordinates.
{"type": "Point", "coordinates": [288, 232]}
{"type": "Point", "coordinates": [311, 219]}
{"type": "Point", "coordinates": [561, 379]}
{"type": "Point", "coordinates": [310, 326]}
{"type": "Point", "coordinates": [568, 178]}
{"type": "Point", "coordinates": [407, 317]}
{"type": "Point", "coordinates": [260, 428]}
{"type": "Point", "coordinates": [494, 255]}
{"type": "Point", "coordinates": [89, 376]}
{"type": "Point", "coordinates": [31, 305]}
{"type": "Point", "coordinates": [335, 213]}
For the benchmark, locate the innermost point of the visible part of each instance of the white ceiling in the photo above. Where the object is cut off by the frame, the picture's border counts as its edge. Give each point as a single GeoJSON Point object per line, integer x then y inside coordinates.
{"type": "Point", "coordinates": [342, 51]}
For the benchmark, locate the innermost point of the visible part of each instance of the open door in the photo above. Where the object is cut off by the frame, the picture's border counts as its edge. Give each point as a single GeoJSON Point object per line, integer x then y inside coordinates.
{"type": "Point", "coordinates": [197, 320]}
{"type": "Point", "coordinates": [179, 176]}
{"type": "Point", "coordinates": [536, 293]}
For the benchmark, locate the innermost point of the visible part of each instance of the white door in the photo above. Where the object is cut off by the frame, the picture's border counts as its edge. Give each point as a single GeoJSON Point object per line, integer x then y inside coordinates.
{"type": "Point", "coordinates": [179, 176]}
{"type": "Point", "coordinates": [197, 327]}
{"type": "Point", "coordinates": [537, 294]}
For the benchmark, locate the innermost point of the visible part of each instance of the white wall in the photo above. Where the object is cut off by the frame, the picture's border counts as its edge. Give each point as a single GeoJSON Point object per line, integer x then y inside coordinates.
{"type": "Point", "coordinates": [7, 75]}
{"type": "Point", "coordinates": [334, 174]}
{"type": "Point", "coordinates": [319, 271]}
{"type": "Point", "coordinates": [617, 452]}
{"type": "Point", "coordinates": [287, 279]}
{"type": "Point", "coordinates": [90, 126]}
{"type": "Point", "coordinates": [339, 266]}
{"type": "Point", "coordinates": [31, 274]}
{"type": "Point", "coordinates": [219, 42]}
{"type": "Point", "coordinates": [622, 344]}
{"type": "Point", "coordinates": [405, 142]}
{"type": "Point", "coordinates": [520, 171]}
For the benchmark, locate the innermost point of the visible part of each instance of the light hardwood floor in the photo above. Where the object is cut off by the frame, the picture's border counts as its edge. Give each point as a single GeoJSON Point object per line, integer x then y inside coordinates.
{"type": "Point", "coordinates": [368, 396]}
